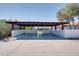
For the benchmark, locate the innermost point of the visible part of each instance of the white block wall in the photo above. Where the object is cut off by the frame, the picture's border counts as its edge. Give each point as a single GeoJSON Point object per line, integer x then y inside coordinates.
{"type": "Point", "coordinates": [71, 34]}
{"type": "Point", "coordinates": [19, 32]}
{"type": "Point", "coordinates": [16, 32]}
{"type": "Point", "coordinates": [67, 33]}
{"type": "Point", "coordinates": [61, 33]}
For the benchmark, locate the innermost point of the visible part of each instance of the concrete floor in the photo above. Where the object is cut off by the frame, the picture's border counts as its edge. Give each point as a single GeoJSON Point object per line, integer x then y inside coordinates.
{"type": "Point", "coordinates": [40, 48]}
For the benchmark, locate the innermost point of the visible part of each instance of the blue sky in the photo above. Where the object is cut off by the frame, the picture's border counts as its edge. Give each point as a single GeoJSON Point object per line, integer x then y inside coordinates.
{"type": "Point", "coordinates": [30, 11]}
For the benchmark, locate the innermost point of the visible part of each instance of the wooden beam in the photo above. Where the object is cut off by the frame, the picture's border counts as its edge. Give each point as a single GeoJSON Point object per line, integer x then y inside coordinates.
{"type": "Point", "coordinates": [55, 27]}
{"type": "Point", "coordinates": [51, 27]}
{"type": "Point", "coordinates": [62, 27]}
{"type": "Point", "coordinates": [24, 27]}
{"type": "Point", "coordinates": [20, 27]}
{"type": "Point", "coordinates": [12, 26]}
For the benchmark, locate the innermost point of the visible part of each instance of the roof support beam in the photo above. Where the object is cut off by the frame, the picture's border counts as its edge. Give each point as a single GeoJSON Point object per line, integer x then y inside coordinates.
{"type": "Point", "coordinates": [20, 27]}
{"type": "Point", "coordinates": [55, 27]}
{"type": "Point", "coordinates": [12, 26]}
{"type": "Point", "coordinates": [62, 27]}
{"type": "Point", "coordinates": [24, 27]}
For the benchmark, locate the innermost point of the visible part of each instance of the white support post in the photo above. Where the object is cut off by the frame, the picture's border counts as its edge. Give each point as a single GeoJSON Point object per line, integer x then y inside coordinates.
{"type": "Point", "coordinates": [38, 34]}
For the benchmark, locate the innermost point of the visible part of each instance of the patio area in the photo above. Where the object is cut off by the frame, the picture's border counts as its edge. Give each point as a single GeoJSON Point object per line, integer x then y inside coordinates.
{"type": "Point", "coordinates": [40, 48]}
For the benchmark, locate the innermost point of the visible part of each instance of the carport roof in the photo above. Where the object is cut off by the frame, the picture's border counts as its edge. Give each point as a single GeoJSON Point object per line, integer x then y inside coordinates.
{"type": "Point", "coordinates": [37, 23]}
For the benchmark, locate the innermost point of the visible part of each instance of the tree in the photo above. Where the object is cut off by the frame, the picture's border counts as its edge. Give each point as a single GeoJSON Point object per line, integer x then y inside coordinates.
{"type": "Point", "coordinates": [64, 15]}
{"type": "Point", "coordinates": [73, 10]}
{"type": "Point", "coordinates": [61, 14]}
{"type": "Point", "coordinates": [68, 13]}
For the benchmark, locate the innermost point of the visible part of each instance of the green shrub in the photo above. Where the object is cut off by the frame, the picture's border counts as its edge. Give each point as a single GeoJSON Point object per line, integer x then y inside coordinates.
{"type": "Point", "coordinates": [5, 30]}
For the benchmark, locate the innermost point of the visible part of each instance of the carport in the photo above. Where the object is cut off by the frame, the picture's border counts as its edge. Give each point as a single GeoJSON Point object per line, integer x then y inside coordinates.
{"type": "Point", "coordinates": [22, 31]}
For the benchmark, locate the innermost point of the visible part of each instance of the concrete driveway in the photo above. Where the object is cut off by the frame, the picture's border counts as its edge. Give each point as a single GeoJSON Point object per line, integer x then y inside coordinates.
{"type": "Point", "coordinates": [40, 48]}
